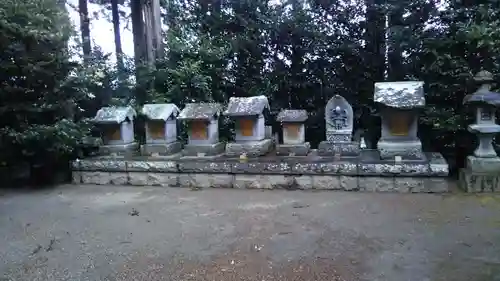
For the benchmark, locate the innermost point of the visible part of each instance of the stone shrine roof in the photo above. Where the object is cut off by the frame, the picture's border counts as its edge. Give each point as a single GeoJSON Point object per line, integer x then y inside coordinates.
{"type": "Point", "coordinates": [404, 95]}
{"type": "Point", "coordinates": [161, 111]}
{"type": "Point", "coordinates": [292, 115]}
{"type": "Point", "coordinates": [484, 98]}
{"type": "Point", "coordinates": [114, 114]}
{"type": "Point", "coordinates": [246, 106]}
{"type": "Point", "coordinates": [200, 111]}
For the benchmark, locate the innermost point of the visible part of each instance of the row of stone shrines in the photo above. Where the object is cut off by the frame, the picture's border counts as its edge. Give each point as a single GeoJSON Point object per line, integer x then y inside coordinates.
{"type": "Point", "coordinates": [253, 137]}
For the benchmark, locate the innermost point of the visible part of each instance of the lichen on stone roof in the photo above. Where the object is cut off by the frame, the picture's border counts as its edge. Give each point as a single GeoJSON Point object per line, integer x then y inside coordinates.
{"type": "Point", "coordinates": [246, 106]}
{"type": "Point", "coordinates": [292, 115]}
{"type": "Point", "coordinates": [403, 95]}
{"type": "Point", "coordinates": [115, 114]}
{"type": "Point", "coordinates": [160, 111]}
{"type": "Point", "coordinates": [200, 111]}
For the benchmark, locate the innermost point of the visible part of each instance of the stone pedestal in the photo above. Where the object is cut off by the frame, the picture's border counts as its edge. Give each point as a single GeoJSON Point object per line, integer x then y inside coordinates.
{"type": "Point", "coordinates": [485, 134]}
{"type": "Point", "coordinates": [326, 148]}
{"type": "Point", "coordinates": [162, 149]}
{"type": "Point", "coordinates": [293, 149]}
{"type": "Point", "coordinates": [129, 149]}
{"type": "Point", "coordinates": [408, 150]}
{"type": "Point", "coordinates": [250, 148]}
{"type": "Point", "coordinates": [203, 149]}
{"type": "Point", "coordinates": [480, 175]}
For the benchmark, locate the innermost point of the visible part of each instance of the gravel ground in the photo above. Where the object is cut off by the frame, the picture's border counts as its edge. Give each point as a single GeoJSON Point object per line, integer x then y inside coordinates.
{"type": "Point", "coordinates": [141, 233]}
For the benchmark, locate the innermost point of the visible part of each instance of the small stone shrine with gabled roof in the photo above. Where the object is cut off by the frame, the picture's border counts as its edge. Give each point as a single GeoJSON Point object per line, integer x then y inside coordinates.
{"type": "Point", "coordinates": [252, 136]}
{"type": "Point", "coordinates": [161, 130]}
{"type": "Point", "coordinates": [400, 103]}
{"type": "Point", "coordinates": [117, 130]}
{"type": "Point", "coordinates": [293, 127]}
{"type": "Point", "coordinates": [202, 120]}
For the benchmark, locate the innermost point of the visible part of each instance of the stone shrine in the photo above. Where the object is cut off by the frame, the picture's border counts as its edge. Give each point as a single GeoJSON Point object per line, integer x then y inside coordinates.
{"type": "Point", "coordinates": [203, 129]}
{"type": "Point", "coordinates": [482, 171]}
{"type": "Point", "coordinates": [161, 130]}
{"type": "Point", "coordinates": [252, 137]}
{"type": "Point", "coordinates": [292, 122]}
{"type": "Point", "coordinates": [117, 130]}
{"type": "Point", "coordinates": [339, 129]}
{"type": "Point", "coordinates": [400, 103]}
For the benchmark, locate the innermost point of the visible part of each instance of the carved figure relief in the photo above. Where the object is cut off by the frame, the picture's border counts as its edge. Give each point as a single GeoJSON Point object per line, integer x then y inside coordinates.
{"type": "Point", "coordinates": [339, 118]}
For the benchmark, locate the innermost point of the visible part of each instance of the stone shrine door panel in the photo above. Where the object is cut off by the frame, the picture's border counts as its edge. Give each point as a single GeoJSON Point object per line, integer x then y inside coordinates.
{"type": "Point", "coordinates": [112, 133]}
{"type": "Point", "coordinates": [399, 123]}
{"type": "Point", "coordinates": [199, 130]}
{"type": "Point", "coordinates": [156, 130]}
{"type": "Point", "coordinates": [292, 130]}
{"type": "Point", "coordinates": [246, 127]}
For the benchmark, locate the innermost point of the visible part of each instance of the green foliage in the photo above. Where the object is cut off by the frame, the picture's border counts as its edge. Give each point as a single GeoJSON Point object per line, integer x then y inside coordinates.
{"type": "Point", "coordinates": [38, 101]}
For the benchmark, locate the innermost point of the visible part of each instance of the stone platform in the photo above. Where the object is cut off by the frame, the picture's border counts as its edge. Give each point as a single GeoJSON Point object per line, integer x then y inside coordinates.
{"type": "Point", "coordinates": [366, 173]}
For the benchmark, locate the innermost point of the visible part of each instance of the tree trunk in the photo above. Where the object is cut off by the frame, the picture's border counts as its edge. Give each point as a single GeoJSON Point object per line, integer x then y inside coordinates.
{"type": "Point", "coordinates": [136, 8]}
{"type": "Point", "coordinates": [117, 33]}
{"type": "Point", "coordinates": [85, 29]}
{"type": "Point", "coordinates": [375, 39]}
{"type": "Point", "coordinates": [395, 71]}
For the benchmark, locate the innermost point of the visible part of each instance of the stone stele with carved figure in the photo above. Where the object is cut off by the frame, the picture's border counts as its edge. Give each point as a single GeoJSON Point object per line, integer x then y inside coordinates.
{"type": "Point", "coordinates": [339, 129]}
{"type": "Point", "coordinates": [400, 103]}
{"type": "Point", "coordinates": [203, 129]}
{"type": "Point", "coordinates": [117, 131]}
{"type": "Point", "coordinates": [294, 143]}
{"type": "Point", "coordinates": [161, 130]}
{"type": "Point", "coordinates": [482, 171]}
{"type": "Point", "coordinates": [252, 136]}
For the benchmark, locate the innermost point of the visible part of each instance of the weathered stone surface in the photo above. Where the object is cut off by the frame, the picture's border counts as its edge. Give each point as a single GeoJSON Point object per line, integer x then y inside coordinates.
{"type": "Point", "coordinates": [101, 164]}
{"type": "Point", "coordinates": [303, 182]}
{"type": "Point", "coordinates": [403, 95]}
{"type": "Point", "coordinates": [207, 150]}
{"type": "Point", "coordinates": [334, 182]}
{"type": "Point", "coordinates": [152, 166]}
{"type": "Point", "coordinates": [128, 149]}
{"type": "Point", "coordinates": [437, 164]}
{"type": "Point", "coordinates": [405, 169]}
{"type": "Point", "coordinates": [293, 149]}
{"type": "Point", "coordinates": [483, 165]}
{"type": "Point", "coordinates": [260, 168]}
{"type": "Point", "coordinates": [246, 106]}
{"type": "Point", "coordinates": [411, 150]}
{"type": "Point", "coordinates": [262, 182]}
{"type": "Point", "coordinates": [160, 111]}
{"type": "Point", "coordinates": [204, 167]}
{"type": "Point", "coordinates": [333, 168]}
{"type": "Point", "coordinates": [153, 179]}
{"type": "Point", "coordinates": [327, 148]}
{"type": "Point", "coordinates": [200, 111]}
{"type": "Point", "coordinates": [292, 115]}
{"type": "Point", "coordinates": [206, 180]}
{"type": "Point", "coordinates": [478, 182]}
{"type": "Point", "coordinates": [161, 148]}
{"type": "Point", "coordinates": [377, 184]}
{"type": "Point", "coordinates": [115, 114]}
{"type": "Point", "coordinates": [252, 149]}
{"type": "Point", "coordinates": [76, 177]}
{"type": "Point", "coordinates": [100, 178]}
{"type": "Point", "coordinates": [404, 184]}
{"type": "Point", "coordinates": [435, 185]}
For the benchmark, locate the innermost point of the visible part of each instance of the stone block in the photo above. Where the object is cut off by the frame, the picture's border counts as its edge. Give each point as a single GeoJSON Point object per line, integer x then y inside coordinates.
{"type": "Point", "coordinates": [100, 178]}
{"type": "Point", "coordinates": [260, 168]}
{"type": "Point", "coordinates": [153, 179]}
{"type": "Point", "coordinates": [262, 181]}
{"type": "Point", "coordinates": [152, 166]}
{"type": "Point", "coordinates": [103, 164]}
{"type": "Point", "coordinates": [393, 169]}
{"type": "Point", "coordinates": [328, 168]}
{"type": "Point", "coordinates": [437, 164]}
{"type": "Point", "coordinates": [436, 185]}
{"type": "Point", "coordinates": [377, 184]}
{"type": "Point", "coordinates": [411, 150]}
{"type": "Point", "coordinates": [293, 149]}
{"type": "Point", "coordinates": [326, 148]}
{"type": "Point", "coordinates": [303, 182]}
{"type": "Point", "coordinates": [206, 180]}
{"type": "Point", "coordinates": [194, 166]}
{"type": "Point", "coordinates": [250, 148]}
{"type": "Point", "coordinates": [162, 149]}
{"type": "Point", "coordinates": [478, 182]}
{"type": "Point", "coordinates": [205, 149]}
{"type": "Point", "coordinates": [483, 165]}
{"type": "Point", "coordinates": [406, 184]}
{"type": "Point", "coordinates": [129, 149]}
{"type": "Point", "coordinates": [335, 182]}
{"type": "Point", "coordinates": [76, 177]}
